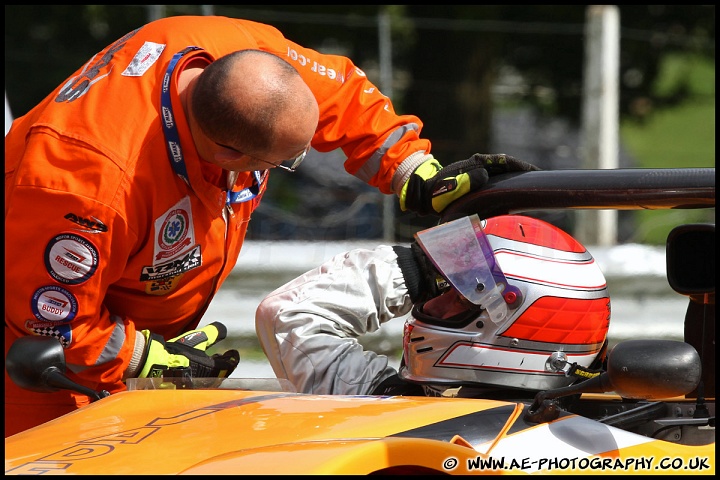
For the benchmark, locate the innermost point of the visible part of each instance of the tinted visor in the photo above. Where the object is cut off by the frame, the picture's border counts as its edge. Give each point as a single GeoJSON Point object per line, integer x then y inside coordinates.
{"type": "Point", "coordinates": [462, 254]}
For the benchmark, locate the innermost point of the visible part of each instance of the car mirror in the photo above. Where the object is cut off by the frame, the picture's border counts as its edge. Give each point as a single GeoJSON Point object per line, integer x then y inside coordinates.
{"type": "Point", "coordinates": [690, 259]}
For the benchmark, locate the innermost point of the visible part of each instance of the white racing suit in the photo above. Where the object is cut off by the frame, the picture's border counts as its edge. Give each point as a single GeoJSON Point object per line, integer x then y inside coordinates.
{"type": "Point", "coordinates": [309, 327]}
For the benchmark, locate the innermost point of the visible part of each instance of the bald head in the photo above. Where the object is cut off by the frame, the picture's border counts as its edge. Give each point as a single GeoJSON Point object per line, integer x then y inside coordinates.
{"type": "Point", "coordinates": [255, 102]}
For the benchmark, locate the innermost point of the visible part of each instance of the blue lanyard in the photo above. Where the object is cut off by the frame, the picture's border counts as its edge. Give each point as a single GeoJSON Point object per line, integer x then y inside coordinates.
{"type": "Point", "coordinates": [172, 138]}
{"type": "Point", "coordinates": [247, 193]}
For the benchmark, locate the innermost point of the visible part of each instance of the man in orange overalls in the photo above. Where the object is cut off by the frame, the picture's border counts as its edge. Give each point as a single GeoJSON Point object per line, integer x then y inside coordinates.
{"type": "Point", "coordinates": [128, 190]}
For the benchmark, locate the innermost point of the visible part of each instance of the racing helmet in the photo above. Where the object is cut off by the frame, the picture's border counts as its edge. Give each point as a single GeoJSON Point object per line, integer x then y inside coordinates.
{"type": "Point", "coordinates": [535, 304]}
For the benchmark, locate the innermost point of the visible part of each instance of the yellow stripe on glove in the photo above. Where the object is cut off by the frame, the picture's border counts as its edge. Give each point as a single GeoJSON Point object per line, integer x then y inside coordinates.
{"type": "Point", "coordinates": [432, 187]}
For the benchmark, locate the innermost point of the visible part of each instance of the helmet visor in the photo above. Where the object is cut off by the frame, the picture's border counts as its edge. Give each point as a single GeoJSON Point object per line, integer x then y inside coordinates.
{"type": "Point", "coordinates": [463, 255]}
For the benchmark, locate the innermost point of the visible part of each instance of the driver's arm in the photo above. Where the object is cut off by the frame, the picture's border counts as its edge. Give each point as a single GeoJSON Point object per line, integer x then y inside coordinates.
{"type": "Point", "coordinates": [309, 327]}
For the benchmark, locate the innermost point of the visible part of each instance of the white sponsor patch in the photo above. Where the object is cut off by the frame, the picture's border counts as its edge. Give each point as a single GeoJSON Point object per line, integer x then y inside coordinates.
{"type": "Point", "coordinates": [70, 259]}
{"type": "Point", "coordinates": [144, 59]}
{"type": "Point", "coordinates": [174, 232]}
{"type": "Point", "coordinates": [54, 304]}
{"type": "Point", "coordinates": [173, 267]}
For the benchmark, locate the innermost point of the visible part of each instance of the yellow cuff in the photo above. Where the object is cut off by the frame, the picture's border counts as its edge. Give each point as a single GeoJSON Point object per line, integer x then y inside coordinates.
{"type": "Point", "coordinates": [426, 170]}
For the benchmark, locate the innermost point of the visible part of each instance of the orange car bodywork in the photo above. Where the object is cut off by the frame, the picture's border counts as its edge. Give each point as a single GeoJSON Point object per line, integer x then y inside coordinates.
{"type": "Point", "coordinates": [251, 432]}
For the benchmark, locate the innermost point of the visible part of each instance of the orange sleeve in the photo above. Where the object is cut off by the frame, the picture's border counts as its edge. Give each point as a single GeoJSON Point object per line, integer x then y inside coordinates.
{"type": "Point", "coordinates": [355, 116]}
{"type": "Point", "coordinates": [61, 264]}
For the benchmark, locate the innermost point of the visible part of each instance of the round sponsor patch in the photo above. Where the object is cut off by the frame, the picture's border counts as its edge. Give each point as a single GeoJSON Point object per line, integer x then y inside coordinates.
{"type": "Point", "coordinates": [173, 233]}
{"type": "Point", "coordinates": [53, 304]}
{"type": "Point", "coordinates": [70, 259]}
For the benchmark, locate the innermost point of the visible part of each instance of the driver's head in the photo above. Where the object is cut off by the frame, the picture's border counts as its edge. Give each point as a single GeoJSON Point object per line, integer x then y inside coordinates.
{"type": "Point", "coordinates": [550, 302]}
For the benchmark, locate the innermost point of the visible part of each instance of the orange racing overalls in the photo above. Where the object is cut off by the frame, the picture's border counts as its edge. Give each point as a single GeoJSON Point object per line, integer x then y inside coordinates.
{"type": "Point", "coordinates": [114, 224]}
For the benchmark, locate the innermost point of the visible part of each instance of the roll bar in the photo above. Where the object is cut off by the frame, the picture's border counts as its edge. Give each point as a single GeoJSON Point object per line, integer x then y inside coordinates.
{"type": "Point", "coordinates": [614, 189]}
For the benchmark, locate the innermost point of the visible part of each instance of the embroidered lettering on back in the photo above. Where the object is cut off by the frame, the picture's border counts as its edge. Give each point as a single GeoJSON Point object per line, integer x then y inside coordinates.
{"type": "Point", "coordinates": [78, 86]}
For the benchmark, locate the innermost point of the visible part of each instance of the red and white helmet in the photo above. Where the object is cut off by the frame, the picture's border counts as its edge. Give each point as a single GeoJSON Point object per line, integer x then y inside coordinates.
{"type": "Point", "coordinates": [551, 309]}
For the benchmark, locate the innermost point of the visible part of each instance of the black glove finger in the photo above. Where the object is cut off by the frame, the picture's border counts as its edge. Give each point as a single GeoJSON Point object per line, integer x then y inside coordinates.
{"type": "Point", "coordinates": [221, 332]}
{"type": "Point", "coordinates": [515, 165]}
{"type": "Point", "coordinates": [201, 365]}
{"type": "Point", "coordinates": [204, 366]}
{"type": "Point", "coordinates": [182, 349]}
{"type": "Point", "coordinates": [497, 164]}
{"type": "Point", "coordinates": [461, 166]}
{"type": "Point", "coordinates": [224, 364]}
{"type": "Point", "coordinates": [476, 172]}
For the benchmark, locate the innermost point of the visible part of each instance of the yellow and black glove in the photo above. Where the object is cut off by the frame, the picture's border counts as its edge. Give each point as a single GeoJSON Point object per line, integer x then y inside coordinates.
{"type": "Point", "coordinates": [185, 356]}
{"type": "Point", "coordinates": [432, 187]}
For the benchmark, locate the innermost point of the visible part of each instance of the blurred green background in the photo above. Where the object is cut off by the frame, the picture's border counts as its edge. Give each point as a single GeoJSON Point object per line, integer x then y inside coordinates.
{"type": "Point", "coordinates": [678, 136]}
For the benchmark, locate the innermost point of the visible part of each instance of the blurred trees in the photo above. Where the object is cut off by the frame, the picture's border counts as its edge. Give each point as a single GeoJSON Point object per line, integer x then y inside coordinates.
{"type": "Point", "coordinates": [446, 57]}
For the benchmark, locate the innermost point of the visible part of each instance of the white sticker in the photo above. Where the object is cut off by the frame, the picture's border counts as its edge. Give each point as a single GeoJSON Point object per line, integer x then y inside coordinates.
{"type": "Point", "coordinates": [174, 232]}
{"type": "Point", "coordinates": [144, 59]}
